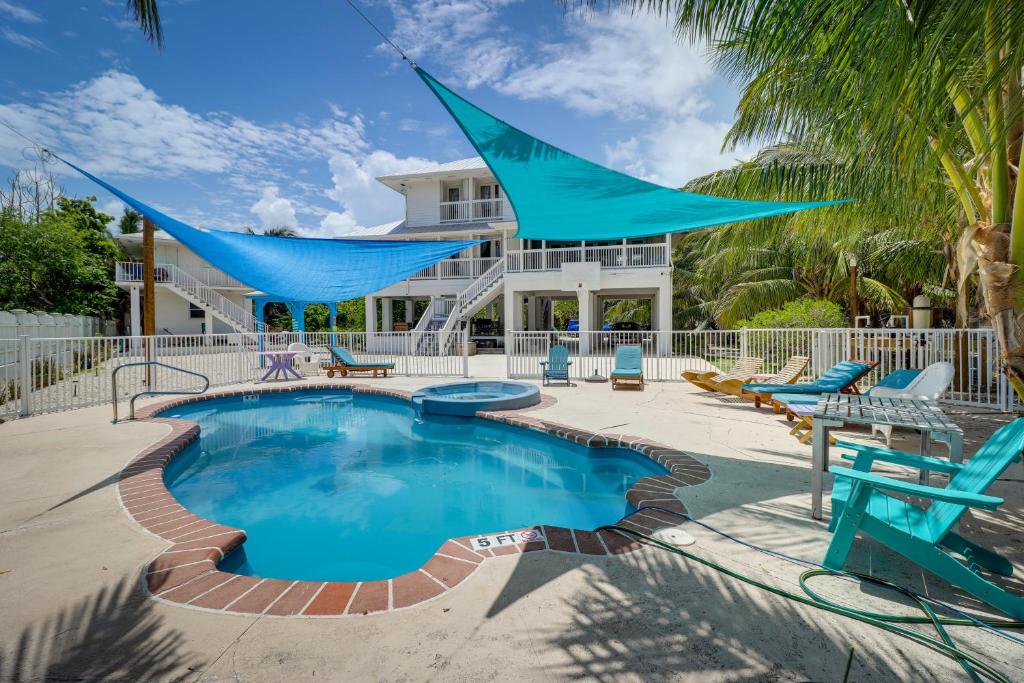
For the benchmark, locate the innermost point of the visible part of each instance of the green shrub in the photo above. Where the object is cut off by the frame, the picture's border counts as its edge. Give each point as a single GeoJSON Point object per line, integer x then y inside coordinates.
{"type": "Point", "coordinates": [799, 313]}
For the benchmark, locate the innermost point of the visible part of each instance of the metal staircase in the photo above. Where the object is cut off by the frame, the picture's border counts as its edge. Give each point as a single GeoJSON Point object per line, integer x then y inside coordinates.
{"type": "Point", "coordinates": [191, 288]}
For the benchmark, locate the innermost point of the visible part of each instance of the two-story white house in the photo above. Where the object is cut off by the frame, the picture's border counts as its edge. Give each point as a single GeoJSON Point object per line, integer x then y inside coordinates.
{"type": "Point", "coordinates": [502, 284]}
{"type": "Point", "coordinates": [192, 296]}
{"type": "Point", "coordinates": [506, 283]}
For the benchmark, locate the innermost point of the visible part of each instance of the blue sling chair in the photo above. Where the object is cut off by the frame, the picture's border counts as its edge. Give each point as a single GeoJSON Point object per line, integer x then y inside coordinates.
{"type": "Point", "coordinates": [556, 367]}
{"type": "Point", "coordinates": [629, 370]}
{"type": "Point", "coordinates": [862, 501]}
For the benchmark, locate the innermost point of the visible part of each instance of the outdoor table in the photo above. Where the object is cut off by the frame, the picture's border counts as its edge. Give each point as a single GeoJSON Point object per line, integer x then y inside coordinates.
{"type": "Point", "coordinates": [280, 362]}
{"type": "Point", "coordinates": [837, 410]}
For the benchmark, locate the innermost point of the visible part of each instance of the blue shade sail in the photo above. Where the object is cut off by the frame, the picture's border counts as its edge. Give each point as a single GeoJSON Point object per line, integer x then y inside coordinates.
{"type": "Point", "coordinates": [559, 196]}
{"type": "Point", "coordinates": [299, 269]}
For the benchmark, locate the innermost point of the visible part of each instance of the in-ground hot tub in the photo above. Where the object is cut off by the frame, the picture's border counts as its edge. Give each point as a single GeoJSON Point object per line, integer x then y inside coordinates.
{"type": "Point", "coordinates": [466, 398]}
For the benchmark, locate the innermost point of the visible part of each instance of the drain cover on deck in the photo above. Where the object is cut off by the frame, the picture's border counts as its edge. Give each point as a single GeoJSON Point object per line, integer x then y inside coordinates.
{"type": "Point", "coordinates": [673, 535]}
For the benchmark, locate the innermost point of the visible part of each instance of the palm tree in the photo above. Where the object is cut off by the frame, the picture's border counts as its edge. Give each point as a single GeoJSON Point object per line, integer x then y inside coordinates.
{"type": "Point", "coordinates": [130, 223]}
{"type": "Point", "coordinates": [933, 87]}
{"type": "Point", "coordinates": [146, 14]}
{"type": "Point", "coordinates": [280, 232]}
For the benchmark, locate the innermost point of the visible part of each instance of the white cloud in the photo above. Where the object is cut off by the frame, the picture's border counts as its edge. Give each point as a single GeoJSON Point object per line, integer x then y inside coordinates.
{"type": "Point", "coordinates": [365, 200]}
{"type": "Point", "coordinates": [21, 40]}
{"type": "Point", "coordinates": [273, 210]}
{"type": "Point", "coordinates": [616, 63]}
{"type": "Point", "coordinates": [451, 30]}
{"type": "Point", "coordinates": [19, 13]}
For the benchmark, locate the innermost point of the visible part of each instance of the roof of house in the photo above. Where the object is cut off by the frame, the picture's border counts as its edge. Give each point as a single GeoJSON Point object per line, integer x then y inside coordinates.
{"type": "Point", "coordinates": [470, 164]}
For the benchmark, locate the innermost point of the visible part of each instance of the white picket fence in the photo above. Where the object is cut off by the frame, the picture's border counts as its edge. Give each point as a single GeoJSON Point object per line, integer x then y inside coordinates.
{"type": "Point", "coordinates": [974, 354]}
{"type": "Point", "coordinates": [68, 373]}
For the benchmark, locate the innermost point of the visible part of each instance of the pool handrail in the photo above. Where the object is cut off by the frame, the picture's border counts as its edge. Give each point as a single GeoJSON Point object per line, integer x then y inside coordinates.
{"type": "Point", "coordinates": [131, 402]}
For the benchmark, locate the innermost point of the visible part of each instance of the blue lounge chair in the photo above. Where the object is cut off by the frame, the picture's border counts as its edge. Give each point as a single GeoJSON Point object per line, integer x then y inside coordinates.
{"type": "Point", "coordinates": [629, 367]}
{"type": "Point", "coordinates": [840, 378]}
{"type": "Point", "coordinates": [344, 363]}
{"type": "Point", "coordinates": [861, 501]}
{"type": "Point", "coordinates": [897, 379]}
{"type": "Point", "coordinates": [556, 367]}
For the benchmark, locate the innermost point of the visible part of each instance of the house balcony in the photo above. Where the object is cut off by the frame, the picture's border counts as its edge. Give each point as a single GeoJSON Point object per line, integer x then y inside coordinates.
{"type": "Point", "coordinates": [477, 210]}
{"type": "Point", "coordinates": [128, 272]}
{"type": "Point", "coordinates": [624, 256]}
{"type": "Point", "coordinates": [456, 269]}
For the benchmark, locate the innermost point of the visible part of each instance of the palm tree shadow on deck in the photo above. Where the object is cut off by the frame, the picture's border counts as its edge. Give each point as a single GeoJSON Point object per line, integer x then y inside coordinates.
{"type": "Point", "coordinates": [113, 634]}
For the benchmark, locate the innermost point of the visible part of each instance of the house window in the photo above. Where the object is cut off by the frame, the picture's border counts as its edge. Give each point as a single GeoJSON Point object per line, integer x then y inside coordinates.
{"type": "Point", "coordinates": [195, 312]}
{"type": "Point", "coordinates": [453, 194]}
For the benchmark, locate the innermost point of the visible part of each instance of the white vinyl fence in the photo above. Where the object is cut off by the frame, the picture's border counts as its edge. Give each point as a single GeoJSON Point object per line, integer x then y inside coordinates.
{"type": "Point", "coordinates": [667, 355]}
{"type": "Point", "coordinates": [67, 373]}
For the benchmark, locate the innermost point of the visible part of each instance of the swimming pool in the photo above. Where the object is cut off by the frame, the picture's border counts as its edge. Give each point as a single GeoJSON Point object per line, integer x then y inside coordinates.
{"type": "Point", "coordinates": [334, 486]}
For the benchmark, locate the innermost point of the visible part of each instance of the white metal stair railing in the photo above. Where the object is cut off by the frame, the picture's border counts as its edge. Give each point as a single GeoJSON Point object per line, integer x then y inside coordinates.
{"type": "Point", "coordinates": [200, 293]}
{"type": "Point", "coordinates": [468, 300]}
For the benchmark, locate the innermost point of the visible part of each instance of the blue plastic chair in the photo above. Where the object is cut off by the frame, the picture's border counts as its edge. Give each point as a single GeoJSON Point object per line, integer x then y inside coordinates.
{"type": "Point", "coordinates": [556, 367]}
{"type": "Point", "coordinates": [862, 501]}
{"type": "Point", "coordinates": [629, 367]}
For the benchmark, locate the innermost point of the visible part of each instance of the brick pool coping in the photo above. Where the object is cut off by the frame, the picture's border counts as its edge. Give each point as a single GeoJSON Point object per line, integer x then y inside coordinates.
{"type": "Point", "coordinates": [186, 573]}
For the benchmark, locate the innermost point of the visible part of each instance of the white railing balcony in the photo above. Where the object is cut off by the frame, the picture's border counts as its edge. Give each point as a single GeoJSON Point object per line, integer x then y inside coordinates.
{"type": "Point", "coordinates": [456, 269]}
{"type": "Point", "coordinates": [625, 256]}
{"type": "Point", "coordinates": [476, 210]}
{"type": "Point", "coordinates": [131, 271]}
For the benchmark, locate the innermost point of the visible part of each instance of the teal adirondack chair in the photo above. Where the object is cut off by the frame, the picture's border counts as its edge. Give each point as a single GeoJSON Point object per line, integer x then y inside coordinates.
{"type": "Point", "coordinates": [556, 367]}
{"type": "Point", "coordinates": [629, 367]}
{"type": "Point", "coordinates": [861, 501]}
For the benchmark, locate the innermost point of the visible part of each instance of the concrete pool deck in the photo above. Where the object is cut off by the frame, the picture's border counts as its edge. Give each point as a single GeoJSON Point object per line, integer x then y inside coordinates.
{"type": "Point", "coordinates": [73, 605]}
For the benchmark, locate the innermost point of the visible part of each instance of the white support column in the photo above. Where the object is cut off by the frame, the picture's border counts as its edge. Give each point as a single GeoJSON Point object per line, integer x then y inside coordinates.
{"type": "Point", "coordinates": [410, 309]}
{"type": "Point", "coordinates": [531, 312]}
{"type": "Point", "coordinates": [136, 312]}
{"type": "Point", "coordinates": [662, 308]}
{"type": "Point", "coordinates": [513, 311]}
{"type": "Point", "coordinates": [386, 314]}
{"type": "Point", "coordinates": [371, 314]}
{"type": "Point", "coordinates": [586, 305]}
{"type": "Point", "coordinates": [550, 322]}
{"type": "Point", "coordinates": [208, 323]}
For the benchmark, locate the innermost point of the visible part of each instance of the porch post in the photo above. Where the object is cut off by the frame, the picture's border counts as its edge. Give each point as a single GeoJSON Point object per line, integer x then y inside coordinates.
{"type": "Point", "coordinates": [584, 298]}
{"type": "Point", "coordinates": [531, 312]}
{"type": "Point", "coordinates": [135, 316]}
{"type": "Point", "coordinates": [371, 314]}
{"type": "Point", "coordinates": [410, 310]}
{"type": "Point", "coordinates": [386, 314]}
{"type": "Point", "coordinates": [663, 302]}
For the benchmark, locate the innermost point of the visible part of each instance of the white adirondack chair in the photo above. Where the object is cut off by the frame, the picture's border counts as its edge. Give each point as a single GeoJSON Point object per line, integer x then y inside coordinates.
{"type": "Point", "coordinates": [932, 383]}
{"type": "Point", "coordinates": [308, 363]}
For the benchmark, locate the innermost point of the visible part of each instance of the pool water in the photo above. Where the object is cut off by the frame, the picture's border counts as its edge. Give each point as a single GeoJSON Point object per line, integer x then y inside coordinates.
{"type": "Point", "coordinates": [334, 486]}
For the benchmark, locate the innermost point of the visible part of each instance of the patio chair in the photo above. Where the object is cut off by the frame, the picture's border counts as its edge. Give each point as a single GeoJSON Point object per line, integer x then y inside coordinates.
{"type": "Point", "coordinates": [863, 501]}
{"type": "Point", "coordinates": [556, 367]}
{"type": "Point", "coordinates": [840, 378]}
{"type": "Point", "coordinates": [308, 362]}
{"type": "Point", "coordinates": [789, 374]}
{"type": "Point", "coordinates": [629, 370]}
{"type": "Point", "coordinates": [344, 363]}
{"type": "Point", "coordinates": [927, 385]}
{"type": "Point", "coordinates": [746, 367]}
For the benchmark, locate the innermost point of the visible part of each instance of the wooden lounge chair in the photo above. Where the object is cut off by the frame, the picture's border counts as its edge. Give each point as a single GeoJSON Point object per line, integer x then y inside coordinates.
{"type": "Point", "coordinates": [789, 374]}
{"type": "Point", "coordinates": [629, 370]}
{"type": "Point", "coordinates": [862, 501]}
{"type": "Point", "coordinates": [746, 367]}
{"type": "Point", "coordinates": [344, 363]}
{"type": "Point", "coordinates": [840, 378]}
{"type": "Point", "coordinates": [556, 367]}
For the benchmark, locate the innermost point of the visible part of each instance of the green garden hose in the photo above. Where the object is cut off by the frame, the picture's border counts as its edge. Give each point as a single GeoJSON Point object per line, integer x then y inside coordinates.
{"type": "Point", "coordinates": [943, 645]}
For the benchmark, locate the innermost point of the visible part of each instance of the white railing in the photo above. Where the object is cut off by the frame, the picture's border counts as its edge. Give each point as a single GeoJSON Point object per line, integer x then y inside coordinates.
{"type": "Point", "coordinates": [475, 210]}
{"type": "Point", "coordinates": [191, 286]}
{"type": "Point", "coordinates": [619, 256]}
{"type": "Point", "coordinates": [455, 269]}
{"type": "Point", "coordinates": [131, 271]}
{"type": "Point", "coordinates": [974, 354]}
{"type": "Point", "coordinates": [51, 375]}
{"type": "Point", "coordinates": [478, 287]}
{"type": "Point", "coordinates": [16, 322]}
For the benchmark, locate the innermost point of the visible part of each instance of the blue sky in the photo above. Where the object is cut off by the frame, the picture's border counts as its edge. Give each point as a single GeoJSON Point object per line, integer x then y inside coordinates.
{"type": "Point", "coordinates": [265, 113]}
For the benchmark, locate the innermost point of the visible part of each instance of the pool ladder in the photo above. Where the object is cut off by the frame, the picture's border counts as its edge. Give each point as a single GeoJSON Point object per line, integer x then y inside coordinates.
{"type": "Point", "coordinates": [131, 403]}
